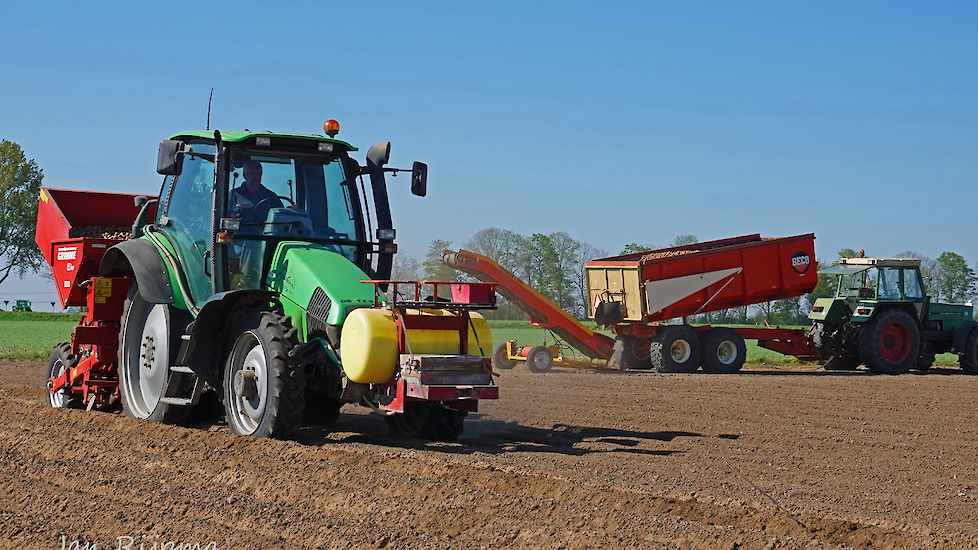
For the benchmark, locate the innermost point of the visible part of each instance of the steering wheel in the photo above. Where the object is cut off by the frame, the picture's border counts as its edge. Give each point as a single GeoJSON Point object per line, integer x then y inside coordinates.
{"type": "Point", "coordinates": [254, 209]}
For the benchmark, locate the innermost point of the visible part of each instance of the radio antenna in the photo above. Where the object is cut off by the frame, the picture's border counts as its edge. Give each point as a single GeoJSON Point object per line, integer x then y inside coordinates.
{"type": "Point", "coordinates": [209, 109]}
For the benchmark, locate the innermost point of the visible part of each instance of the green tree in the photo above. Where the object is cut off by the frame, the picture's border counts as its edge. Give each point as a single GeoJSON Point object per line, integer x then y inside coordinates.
{"type": "Point", "coordinates": [406, 269]}
{"type": "Point", "coordinates": [954, 280]}
{"type": "Point", "coordinates": [20, 186]}
{"type": "Point", "coordinates": [509, 251]}
{"type": "Point", "coordinates": [434, 270]}
{"type": "Point", "coordinates": [683, 240]}
{"type": "Point", "coordinates": [632, 248]}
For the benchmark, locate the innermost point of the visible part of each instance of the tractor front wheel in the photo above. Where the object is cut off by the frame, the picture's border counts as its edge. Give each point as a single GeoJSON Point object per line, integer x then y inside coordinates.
{"type": "Point", "coordinates": [427, 421]}
{"type": "Point", "coordinates": [148, 344]}
{"type": "Point", "coordinates": [969, 356]}
{"type": "Point", "coordinates": [264, 390]}
{"type": "Point", "coordinates": [890, 342]}
{"type": "Point", "coordinates": [61, 361]}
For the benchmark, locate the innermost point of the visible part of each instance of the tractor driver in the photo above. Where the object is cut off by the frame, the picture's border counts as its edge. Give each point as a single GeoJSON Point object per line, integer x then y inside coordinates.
{"type": "Point", "coordinates": [252, 200]}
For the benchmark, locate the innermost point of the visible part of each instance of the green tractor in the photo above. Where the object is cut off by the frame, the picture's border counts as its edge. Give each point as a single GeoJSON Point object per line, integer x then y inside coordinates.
{"type": "Point", "coordinates": [22, 305]}
{"type": "Point", "coordinates": [256, 275]}
{"type": "Point", "coordinates": [881, 317]}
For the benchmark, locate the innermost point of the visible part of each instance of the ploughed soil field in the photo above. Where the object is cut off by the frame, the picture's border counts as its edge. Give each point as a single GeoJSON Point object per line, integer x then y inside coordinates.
{"type": "Point", "coordinates": [771, 458]}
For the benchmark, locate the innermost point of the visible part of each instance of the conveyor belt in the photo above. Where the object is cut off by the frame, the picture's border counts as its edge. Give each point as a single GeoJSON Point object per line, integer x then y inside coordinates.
{"type": "Point", "coordinates": [543, 312]}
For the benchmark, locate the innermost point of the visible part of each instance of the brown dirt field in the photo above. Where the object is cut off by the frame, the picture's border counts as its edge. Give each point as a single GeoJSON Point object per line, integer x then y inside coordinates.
{"type": "Point", "coordinates": [768, 459]}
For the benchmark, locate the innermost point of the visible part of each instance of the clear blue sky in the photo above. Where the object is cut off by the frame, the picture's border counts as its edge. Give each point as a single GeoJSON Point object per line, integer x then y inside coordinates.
{"type": "Point", "coordinates": [622, 122]}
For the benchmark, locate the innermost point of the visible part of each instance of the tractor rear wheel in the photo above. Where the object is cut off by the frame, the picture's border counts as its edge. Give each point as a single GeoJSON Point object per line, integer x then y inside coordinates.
{"type": "Point", "coordinates": [676, 349]}
{"type": "Point", "coordinates": [148, 345]}
{"type": "Point", "coordinates": [890, 342]}
{"type": "Point", "coordinates": [60, 361]}
{"type": "Point", "coordinates": [969, 356]}
{"type": "Point", "coordinates": [539, 359]}
{"type": "Point", "coordinates": [427, 421]}
{"type": "Point", "coordinates": [264, 389]}
{"type": "Point", "coordinates": [723, 351]}
{"type": "Point", "coordinates": [500, 357]}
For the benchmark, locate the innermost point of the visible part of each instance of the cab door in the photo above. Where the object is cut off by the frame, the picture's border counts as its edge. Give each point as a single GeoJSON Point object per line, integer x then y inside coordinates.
{"type": "Point", "coordinates": [185, 219]}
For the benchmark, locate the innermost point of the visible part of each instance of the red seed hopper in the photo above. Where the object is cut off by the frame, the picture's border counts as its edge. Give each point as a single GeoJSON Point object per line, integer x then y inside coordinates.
{"type": "Point", "coordinates": [74, 229]}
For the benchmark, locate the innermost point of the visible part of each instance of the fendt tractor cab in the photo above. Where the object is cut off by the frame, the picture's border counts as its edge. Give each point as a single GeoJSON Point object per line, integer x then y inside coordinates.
{"type": "Point", "coordinates": [881, 316]}
{"type": "Point", "coordinates": [260, 272]}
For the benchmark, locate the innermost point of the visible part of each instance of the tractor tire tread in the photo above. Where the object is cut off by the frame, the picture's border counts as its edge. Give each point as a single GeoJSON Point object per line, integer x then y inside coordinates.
{"type": "Point", "coordinates": [969, 357]}
{"type": "Point", "coordinates": [869, 342]}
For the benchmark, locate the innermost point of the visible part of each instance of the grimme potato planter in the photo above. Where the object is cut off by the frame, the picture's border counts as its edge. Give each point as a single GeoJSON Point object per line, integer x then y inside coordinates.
{"type": "Point", "coordinates": [260, 274]}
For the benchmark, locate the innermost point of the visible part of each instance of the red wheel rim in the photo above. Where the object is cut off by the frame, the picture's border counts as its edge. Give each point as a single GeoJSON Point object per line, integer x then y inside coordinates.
{"type": "Point", "coordinates": [641, 348]}
{"type": "Point", "coordinates": [895, 342]}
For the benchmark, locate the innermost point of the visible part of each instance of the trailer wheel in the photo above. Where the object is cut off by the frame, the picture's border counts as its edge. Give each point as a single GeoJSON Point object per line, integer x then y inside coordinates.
{"type": "Point", "coordinates": [676, 349]}
{"type": "Point", "coordinates": [890, 342]}
{"type": "Point", "coordinates": [148, 344]}
{"type": "Point", "coordinates": [641, 350]}
{"type": "Point", "coordinates": [500, 358]}
{"type": "Point", "coordinates": [60, 361]}
{"type": "Point", "coordinates": [969, 357]}
{"type": "Point", "coordinates": [723, 351]}
{"type": "Point", "coordinates": [539, 360]}
{"type": "Point", "coordinates": [623, 353]}
{"type": "Point", "coordinates": [264, 390]}
{"type": "Point", "coordinates": [427, 421]}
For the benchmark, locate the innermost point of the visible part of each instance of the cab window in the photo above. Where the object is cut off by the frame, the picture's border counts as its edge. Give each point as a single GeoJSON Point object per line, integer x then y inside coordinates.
{"type": "Point", "coordinates": [911, 284]}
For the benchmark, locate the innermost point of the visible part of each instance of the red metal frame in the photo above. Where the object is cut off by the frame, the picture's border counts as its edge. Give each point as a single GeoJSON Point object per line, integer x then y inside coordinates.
{"type": "Point", "coordinates": [95, 340]}
{"type": "Point", "coordinates": [466, 296]}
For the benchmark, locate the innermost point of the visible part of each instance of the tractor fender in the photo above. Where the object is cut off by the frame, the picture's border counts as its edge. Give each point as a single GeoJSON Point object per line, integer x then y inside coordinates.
{"type": "Point", "coordinates": [210, 335]}
{"type": "Point", "coordinates": [961, 336]}
{"type": "Point", "coordinates": [140, 258]}
{"type": "Point", "coordinates": [882, 306]}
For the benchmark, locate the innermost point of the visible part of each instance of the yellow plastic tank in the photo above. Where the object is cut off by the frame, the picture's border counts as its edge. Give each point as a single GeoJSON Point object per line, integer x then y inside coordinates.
{"type": "Point", "coordinates": [368, 343]}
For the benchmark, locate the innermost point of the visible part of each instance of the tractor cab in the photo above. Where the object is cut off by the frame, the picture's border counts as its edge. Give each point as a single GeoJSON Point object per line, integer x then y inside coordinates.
{"type": "Point", "coordinates": [867, 283]}
{"type": "Point", "coordinates": [229, 200]}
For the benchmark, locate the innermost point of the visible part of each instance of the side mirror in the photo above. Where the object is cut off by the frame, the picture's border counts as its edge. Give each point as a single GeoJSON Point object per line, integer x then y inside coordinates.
{"type": "Point", "coordinates": [170, 160]}
{"type": "Point", "coordinates": [379, 154]}
{"type": "Point", "coordinates": [419, 179]}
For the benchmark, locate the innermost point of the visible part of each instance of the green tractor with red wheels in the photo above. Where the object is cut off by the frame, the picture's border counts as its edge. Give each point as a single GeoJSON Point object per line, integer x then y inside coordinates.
{"type": "Point", "coordinates": [882, 317]}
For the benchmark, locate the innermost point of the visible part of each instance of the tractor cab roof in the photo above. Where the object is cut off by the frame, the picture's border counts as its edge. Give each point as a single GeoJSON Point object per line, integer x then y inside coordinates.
{"type": "Point", "coordinates": [847, 266]}
{"type": "Point", "coordinates": [275, 139]}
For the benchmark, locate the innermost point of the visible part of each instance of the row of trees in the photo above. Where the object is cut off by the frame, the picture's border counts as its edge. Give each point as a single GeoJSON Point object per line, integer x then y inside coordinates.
{"type": "Point", "coordinates": [554, 264]}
